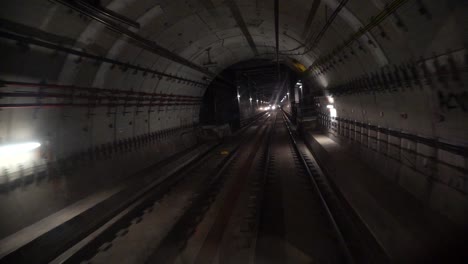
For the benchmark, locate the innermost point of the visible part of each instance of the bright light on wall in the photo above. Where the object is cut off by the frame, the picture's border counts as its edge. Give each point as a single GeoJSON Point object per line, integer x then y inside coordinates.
{"type": "Point", "coordinates": [17, 154]}
{"type": "Point", "coordinates": [333, 112]}
{"type": "Point", "coordinates": [238, 96]}
{"type": "Point", "coordinates": [15, 149]}
{"type": "Point", "coordinates": [331, 100]}
{"type": "Point", "coordinates": [330, 106]}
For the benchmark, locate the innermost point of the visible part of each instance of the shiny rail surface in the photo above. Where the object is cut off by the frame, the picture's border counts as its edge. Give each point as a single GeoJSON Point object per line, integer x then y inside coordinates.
{"type": "Point", "coordinates": [317, 189]}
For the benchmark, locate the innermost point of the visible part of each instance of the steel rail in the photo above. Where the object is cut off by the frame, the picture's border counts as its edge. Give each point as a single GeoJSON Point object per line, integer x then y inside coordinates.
{"type": "Point", "coordinates": [214, 236]}
{"type": "Point", "coordinates": [109, 223]}
{"type": "Point", "coordinates": [166, 252]}
{"type": "Point", "coordinates": [341, 239]}
{"type": "Point", "coordinates": [261, 198]}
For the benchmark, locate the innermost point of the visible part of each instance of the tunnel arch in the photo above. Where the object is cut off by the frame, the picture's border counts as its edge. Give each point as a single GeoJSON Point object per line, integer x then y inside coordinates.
{"type": "Point", "coordinates": [187, 29]}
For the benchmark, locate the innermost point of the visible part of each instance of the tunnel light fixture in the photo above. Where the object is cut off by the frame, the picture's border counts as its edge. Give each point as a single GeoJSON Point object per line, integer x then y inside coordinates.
{"type": "Point", "coordinates": [333, 112]}
{"type": "Point", "coordinates": [323, 81]}
{"type": "Point", "coordinates": [14, 149]}
{"type": "Point", "coordinates": [238, 96]}
{"type": "Point", "coordinates": [331, 100]}
{"type": "Point", "coordinates": [273, 107]}
{"type": "Point", "coordinates": [287, 93]}
{"type": "Point", "coordinates": [250, 99]}
{"type": "Point", "coordinates": [330, 106]}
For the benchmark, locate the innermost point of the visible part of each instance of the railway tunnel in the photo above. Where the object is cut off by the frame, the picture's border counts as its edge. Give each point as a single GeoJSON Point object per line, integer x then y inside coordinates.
{"type": "Point", "coordinates": [233, 131]}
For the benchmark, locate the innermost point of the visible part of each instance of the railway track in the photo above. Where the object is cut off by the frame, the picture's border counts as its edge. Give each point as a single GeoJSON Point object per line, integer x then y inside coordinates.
{"type": "Point", "coordinates": [259, 197]}
{"type": "Point", "coordinates": [357, 243]}
{"type": "Point", "coordinates": [200, 182]}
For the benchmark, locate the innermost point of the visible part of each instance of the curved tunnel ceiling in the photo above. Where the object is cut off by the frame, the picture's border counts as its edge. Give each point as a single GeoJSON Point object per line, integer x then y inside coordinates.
{"type": "Point", "coordinates": [333, 41]}
{"type": "Point", "coordinates": [189, 28]}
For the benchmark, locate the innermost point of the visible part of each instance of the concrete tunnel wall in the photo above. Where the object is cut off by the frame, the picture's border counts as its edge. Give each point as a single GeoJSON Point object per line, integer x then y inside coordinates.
{"type": "Point", "coordinates": [187, 28]}
{"type": "Point", "coordinates": [70, 130]}
{"type": "Point", "coordinates": [430, 101]}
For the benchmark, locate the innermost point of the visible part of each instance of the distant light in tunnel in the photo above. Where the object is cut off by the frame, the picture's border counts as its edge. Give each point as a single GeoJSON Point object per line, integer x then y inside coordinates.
{"type": "Point", "coordinates": [323, 81]}
{"type": "Point", "coordinates": [238, 96]}
{"type": "Point", "coordinates": [14, 149]}
{"type": "Point", "coordinates": [330, 106]}
{"type": "Point", "coordinates": [333, 112]}
{"type": "Point", "coordinates": [287, 93]}
{"type": "Point", "coordinates": [250, 99]}
{"type": "Point", "coordinates": [273, 107]}
{"type": "Point", "coordinates": [331, 100]}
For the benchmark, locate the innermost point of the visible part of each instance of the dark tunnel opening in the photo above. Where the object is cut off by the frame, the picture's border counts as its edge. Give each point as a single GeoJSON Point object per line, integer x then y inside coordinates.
{"type": "Point", "coordinates": [254, 86]}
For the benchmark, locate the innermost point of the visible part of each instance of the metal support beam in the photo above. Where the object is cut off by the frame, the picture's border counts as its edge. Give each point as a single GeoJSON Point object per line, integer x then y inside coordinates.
{"type": "Point", "coordinates": [375, 21]}
{"type": "Point", "coordinates": [243, 27]}
{"type": "Point", "coordinates": [310, 18]}
{"type": "Point", "coordinates": [41, 94]}
{"type": "Point", "coordinates": [277, 36]}
{"type": "Point", "coordinates": [141, 41]}
{"type": "Point", "coordinates": [81, 54]}
{"type": "Point", "coordinates": [99, 10]}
